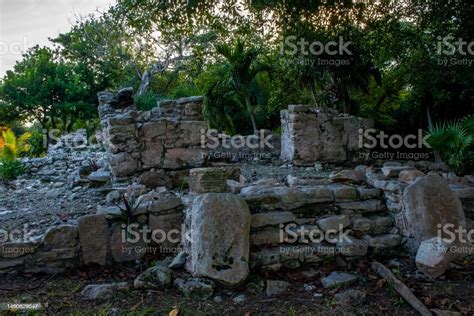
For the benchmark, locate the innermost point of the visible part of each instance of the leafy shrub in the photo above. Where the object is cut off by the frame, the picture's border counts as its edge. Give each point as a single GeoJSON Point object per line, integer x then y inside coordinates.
{"type": "Point", "coordinates": [146, 101]}
{"type": "Point", "coordinates": [11, 148]}
{"type": "Point", "coordinates": [37, 144]}
{"type": "Point", "coordinates": [454, 142]}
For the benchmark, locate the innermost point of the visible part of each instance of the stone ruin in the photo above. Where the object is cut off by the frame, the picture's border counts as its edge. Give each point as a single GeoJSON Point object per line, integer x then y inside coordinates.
{"type": "Point", "coordinates": [231, 224]}
{"type": "Point", "coordinates": [312, 135]}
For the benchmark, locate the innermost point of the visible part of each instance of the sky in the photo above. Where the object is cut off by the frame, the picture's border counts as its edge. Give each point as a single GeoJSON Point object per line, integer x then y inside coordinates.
{"type": "Point", "coordinates": [24, 23]}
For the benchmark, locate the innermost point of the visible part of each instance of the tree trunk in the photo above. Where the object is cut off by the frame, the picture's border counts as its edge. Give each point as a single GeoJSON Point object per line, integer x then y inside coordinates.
{"type": "Point", "coordinates": [248, 104]}
{"type": "Point", "coordinates": [145, 82]}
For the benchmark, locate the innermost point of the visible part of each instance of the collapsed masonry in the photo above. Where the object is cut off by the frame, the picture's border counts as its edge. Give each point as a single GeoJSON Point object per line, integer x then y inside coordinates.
{"type": "Point", "coordinates": [235, 225]}
{"type": "Point", "coordinates": [171, 137]}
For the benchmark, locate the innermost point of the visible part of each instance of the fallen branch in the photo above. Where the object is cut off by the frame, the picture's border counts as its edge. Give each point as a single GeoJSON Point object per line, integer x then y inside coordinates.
{"type": "Point", "coordinates": [401, 288]}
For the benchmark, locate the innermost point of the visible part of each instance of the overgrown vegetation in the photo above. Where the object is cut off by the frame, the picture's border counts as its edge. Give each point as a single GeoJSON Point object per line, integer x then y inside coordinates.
{"type": "Point", "coordinates": [454, 143]}
{"type": "Point", "coordinates": [400, 64]}
{"type": "Point", "coordinates": [11, 148]}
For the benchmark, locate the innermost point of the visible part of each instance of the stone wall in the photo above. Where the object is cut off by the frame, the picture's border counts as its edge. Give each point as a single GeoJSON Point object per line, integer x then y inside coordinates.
{"type": "Point", "coordinates": [172, 136]}
{"type": "Point", "coordinates": [167, 137]}
{"type": "Point", "coordinates": [311, 135]}
{"type": "Point", "coordinates": [107, 237]}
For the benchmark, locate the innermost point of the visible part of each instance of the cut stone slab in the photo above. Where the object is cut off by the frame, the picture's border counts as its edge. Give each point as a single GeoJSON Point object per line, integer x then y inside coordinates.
{"type": "Point", "coordinates": [338, 279]}
{"type": "Point", "coordinates": [333, 223]}
{"type": "Point", "coordinates": [369, 193]}
{"type": "Point", "coordinates": [110, 212]}
{"type": "Point", "coordinates": [344, 193]}
{"type": "Point", "coordinates": [220, 238]}
{"type": "Point", "coordinates": [93, 237]}
{"type": "Point", "coordinates": [354, 176]}
{"type": "Point", "coordinates": [428, 204]}
{"type": "Point", "coordinates": [275, 287]}
{"type": "Point", "coordinates": [271, 218]}
{"type": "Point", "coordinates": [352, 247]}
{"type": "Point", "coordinates": [434, 256]}
{"type": "Point", "coordinates": [205, 180]}
{"type": "Point", "coordinates": [268, 236]}
{"type": "Point", "coordinates": [408, 176]}
{"type": "Point", "coordinates": [367, 206]}
{"type": "Point", "coordinates": [99, 176]}
{"type": "Point", "coordinates": [394, 171]}
{"type": "Point", "coordinates": [64, 236]}
{"type": "Point", "coordinates": [383, 241]}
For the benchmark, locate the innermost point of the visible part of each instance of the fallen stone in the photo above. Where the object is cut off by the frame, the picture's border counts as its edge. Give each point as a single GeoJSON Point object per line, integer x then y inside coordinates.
{"type": "Point", "coordinates": [338, 279]}
{"type": "Point", "coordinates": [434, 256]}
{"type": "Point", "coordinates": [99, 176]}
{"type": "Point", "coordinates": [196, 288]}
{"type": "Point", "coordinates": [157, 277]}
{"type": "Point", "coordinates": [275, 287]}
{"type": "Point", "coordinates": [351, 297]}
{"type": "Point", "coordinates": [428, 203]}
{"type": "Point", "coordinates": [102, 291]}
{"type": "Point", "coordinates": [179, 261]}
{"type": "Point", "coordinates": [240, 299]}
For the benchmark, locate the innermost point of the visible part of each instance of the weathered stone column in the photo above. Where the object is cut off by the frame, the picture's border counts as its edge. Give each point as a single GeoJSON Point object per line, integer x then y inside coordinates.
{"type": "Point", "coordinates": [220, 238]}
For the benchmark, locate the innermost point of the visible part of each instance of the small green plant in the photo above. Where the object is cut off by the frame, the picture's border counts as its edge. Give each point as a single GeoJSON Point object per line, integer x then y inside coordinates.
{"type": "Point", "coordinates": [12, 148]}
{"type": "Point", "coordinates": [453, 142]}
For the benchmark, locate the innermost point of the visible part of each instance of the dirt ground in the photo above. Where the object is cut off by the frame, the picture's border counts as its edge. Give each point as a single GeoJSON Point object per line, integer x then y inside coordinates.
{"type": "Point", "coordinates": [60, 294]}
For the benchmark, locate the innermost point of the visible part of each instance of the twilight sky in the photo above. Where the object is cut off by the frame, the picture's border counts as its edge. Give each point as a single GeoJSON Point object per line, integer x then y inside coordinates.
{"type": "Point", "coordinates": [24, 23]}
